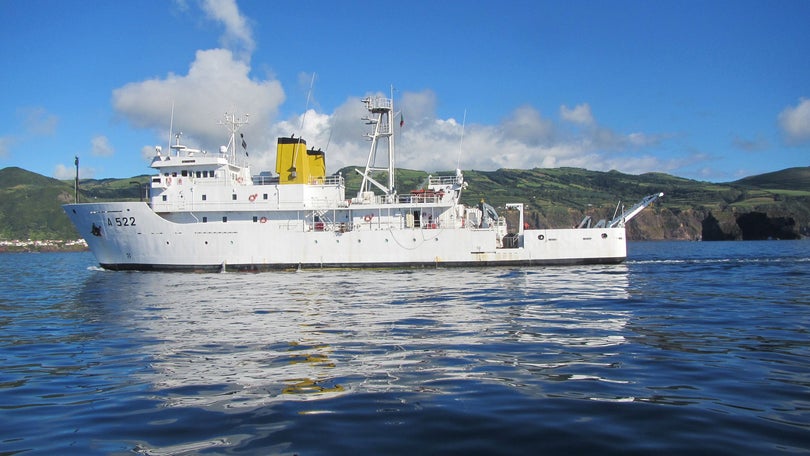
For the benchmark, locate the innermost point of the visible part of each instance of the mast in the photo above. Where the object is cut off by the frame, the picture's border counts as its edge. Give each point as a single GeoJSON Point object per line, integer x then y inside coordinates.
{"type": "Point", "coordinates": [233, 124]}
{"type": "Point", "coordinates": [381, 112]}
{"type": "Point", "coordinates": [76, 182]}
{"type": "Point", "coordinates": [301, 128]}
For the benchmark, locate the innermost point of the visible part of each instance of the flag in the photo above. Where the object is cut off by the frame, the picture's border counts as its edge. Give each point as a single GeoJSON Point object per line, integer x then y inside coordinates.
{"type": "Point", "coordinates": [244, 144]}
{"type": "Point", "coordinates": [401, 120]}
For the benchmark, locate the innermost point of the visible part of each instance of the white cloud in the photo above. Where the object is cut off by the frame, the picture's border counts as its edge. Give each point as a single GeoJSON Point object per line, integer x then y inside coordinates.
{"type": "Point", "coordinates": [34, 121]}
{"type": "Point", "coordinates": [523, 140]}
{"type": "Point", "coordinates": [218, 81]}
{"type": "Point", "coordinates": [528, 126]}
{"type": "Point", "coordinates": [215, 83]}
{"type": "Point", "coordinates": [638, 139]}
{"type": "Point", "coordinates": [101, 147]}
{"type": "Point", "coordinates": [417, 107]}
{"type": "Point", "coordinates": [795, 122]}
{"type": "Point", "coordinates": [148, 153]}
{"type": "Point", "coordinates": [580, 114]}
{"type": "Point", "coordinates": [5, 145]}
{"type": "Point", "coordinates": [38, 121]}
{"type": "Point", "coordinates": [749, 145]}
{"type": "Point", "coordinates": [238, 35]}
{"type": "Point", "coordinates": [64, 172]}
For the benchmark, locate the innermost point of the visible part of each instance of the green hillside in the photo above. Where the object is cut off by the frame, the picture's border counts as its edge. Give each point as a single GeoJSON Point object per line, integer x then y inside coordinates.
{"type": "Point", "coordinates": [30, 204]}
{"type": "Point", "coordinates": [787, 179]}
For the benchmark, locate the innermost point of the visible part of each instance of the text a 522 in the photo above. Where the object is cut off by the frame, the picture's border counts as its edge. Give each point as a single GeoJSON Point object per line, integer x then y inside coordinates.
{"type": "Point", "coordinates": [121, 221]}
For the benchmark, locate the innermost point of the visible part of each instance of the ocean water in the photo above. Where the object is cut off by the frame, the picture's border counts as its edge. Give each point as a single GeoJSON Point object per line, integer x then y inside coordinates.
{"type": "Point", "coordinates": [688, 347]}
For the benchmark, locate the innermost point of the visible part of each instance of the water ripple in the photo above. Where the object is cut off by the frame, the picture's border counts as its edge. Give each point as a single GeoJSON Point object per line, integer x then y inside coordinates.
{"type": "Point", "coordinates": [703, 352]}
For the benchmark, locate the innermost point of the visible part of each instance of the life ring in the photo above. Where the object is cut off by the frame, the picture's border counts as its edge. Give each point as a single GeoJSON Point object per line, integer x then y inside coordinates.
{"type": "Point", "coordinates": [252, 197]}
{"type": "Point", "coordinates": [168, 181]}
{"type": "Point", "coordinates": [263, 220]}
{"type": "Point", "coordinates": [239, 179]}
{"type": "Point", "coordinates": [368, 217]}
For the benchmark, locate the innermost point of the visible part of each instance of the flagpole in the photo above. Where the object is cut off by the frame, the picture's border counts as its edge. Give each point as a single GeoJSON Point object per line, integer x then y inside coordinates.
{"type": "Point", "coordinates": [76, 182]}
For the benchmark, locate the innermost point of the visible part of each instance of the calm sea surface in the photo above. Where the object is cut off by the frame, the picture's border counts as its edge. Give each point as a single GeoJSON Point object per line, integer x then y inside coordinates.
{"type": "Point", "coordinates": [688, 347]}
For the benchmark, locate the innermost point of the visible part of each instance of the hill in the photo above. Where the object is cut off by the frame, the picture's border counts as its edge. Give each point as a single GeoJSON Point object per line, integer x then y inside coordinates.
{"type": "Point", "coordinates": [768, 205]}
{"type": "Point", "coordinates": [30, 206]}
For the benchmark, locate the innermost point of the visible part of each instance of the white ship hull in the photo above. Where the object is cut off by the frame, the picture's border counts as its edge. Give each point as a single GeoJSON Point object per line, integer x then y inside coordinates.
{"type": "Point", "coordinates": [132, 236]}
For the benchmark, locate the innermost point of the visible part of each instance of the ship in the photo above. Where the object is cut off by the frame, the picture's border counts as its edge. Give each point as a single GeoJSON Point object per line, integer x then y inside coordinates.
{"type": "Point", "coordinates": [208, 212]}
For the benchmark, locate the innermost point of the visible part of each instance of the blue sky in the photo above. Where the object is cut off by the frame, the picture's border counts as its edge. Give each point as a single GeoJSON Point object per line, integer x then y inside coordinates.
{"type": "Point", "coordinates": [708, 90]}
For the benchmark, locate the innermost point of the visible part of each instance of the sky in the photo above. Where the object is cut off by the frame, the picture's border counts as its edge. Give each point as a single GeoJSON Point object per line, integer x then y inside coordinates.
{"type": "Point", "coordinates": [709, 90]}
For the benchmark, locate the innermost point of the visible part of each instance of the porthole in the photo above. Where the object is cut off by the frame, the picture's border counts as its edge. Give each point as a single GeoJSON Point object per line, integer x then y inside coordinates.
{"type": "Point", "coordinates": [604, 235]}
{"type": "Point", "coordinates": [540, 237]}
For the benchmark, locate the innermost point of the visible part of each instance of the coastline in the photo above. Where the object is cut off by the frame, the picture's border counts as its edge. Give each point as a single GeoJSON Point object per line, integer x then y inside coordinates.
{"type": "Point", "coordinates": [50, 245]}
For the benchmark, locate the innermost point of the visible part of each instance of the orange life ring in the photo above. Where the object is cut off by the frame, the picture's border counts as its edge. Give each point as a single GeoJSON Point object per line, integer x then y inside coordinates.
{"type": "Point", "coordinates": [252, 197]}
{"type": "Point", "coordinates": [368, 217]}
{"type": "Point", "coordinates": [263, 220]}
{"type": "Point", "coordinates": [239, 179]}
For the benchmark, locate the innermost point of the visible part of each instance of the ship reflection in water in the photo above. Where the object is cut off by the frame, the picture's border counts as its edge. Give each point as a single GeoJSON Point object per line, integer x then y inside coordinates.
{"type": "Point", "coordinates": [235, 341]}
